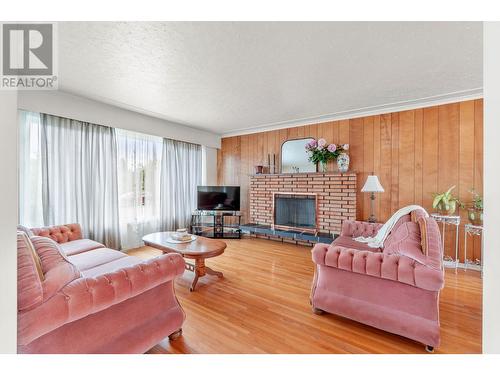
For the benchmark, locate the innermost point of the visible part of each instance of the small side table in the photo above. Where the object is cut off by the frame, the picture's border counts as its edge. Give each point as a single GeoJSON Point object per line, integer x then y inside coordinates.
{"type": "Point", "coordinates": [449, 220]}
{"type": "Point", "coordinates": [473, 230]}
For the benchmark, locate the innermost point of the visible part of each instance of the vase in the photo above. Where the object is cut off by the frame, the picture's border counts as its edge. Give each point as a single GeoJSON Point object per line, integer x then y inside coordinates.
{"type": "Point", "coordinates": [322, 167]}
{"type": "Point", "coordinates": [258, 169]}
{"type": "Point", "coordinates": [343, 162]}
{"type": "Point", "coordinates": [447, 209]}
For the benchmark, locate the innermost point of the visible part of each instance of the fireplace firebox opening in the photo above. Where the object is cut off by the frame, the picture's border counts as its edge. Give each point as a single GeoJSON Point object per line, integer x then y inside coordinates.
{"type": "Point", "coordinates": [295, 211]}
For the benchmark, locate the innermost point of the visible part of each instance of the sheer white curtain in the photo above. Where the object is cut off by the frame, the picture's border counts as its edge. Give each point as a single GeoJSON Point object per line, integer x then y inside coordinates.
{"type": "Point", "coordinates": [180, 177]}
{"type": "Point", "coordinates": [30, 170]}
{"type": "Point", "coordinates": [139, 159]}
{"type": "Point", "coordinates": [119, 185]}
{"type": "Point", "coordinates": [79, 178]}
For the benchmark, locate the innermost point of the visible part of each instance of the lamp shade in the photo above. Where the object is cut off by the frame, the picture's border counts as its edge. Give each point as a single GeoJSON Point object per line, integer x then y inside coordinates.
{"type": "Point", "coordinates": [372, 185]}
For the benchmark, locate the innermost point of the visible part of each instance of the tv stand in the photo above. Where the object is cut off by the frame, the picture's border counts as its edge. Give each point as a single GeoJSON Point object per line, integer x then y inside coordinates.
{"type": "Point", "coordinates": [216, 223]}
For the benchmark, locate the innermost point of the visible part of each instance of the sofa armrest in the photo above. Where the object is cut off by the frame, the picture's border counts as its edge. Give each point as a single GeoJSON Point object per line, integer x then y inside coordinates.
{"type": "Point", "coordinates": [60, 233]}
{"type": "Point", "coordinates": [391, 267]}
{"type": "Point", "coordinates": [353, 228]}
{"type": "Point", "coordinates": [85, 296]}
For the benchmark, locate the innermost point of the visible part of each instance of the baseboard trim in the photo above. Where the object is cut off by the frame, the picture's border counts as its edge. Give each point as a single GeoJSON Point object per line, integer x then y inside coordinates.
{"type": "Point", "coordinates": [472, 267]}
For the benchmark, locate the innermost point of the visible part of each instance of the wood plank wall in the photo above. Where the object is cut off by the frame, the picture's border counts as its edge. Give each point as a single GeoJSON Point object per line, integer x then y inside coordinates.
{"type": "Point", "coordinates": [414, 153]}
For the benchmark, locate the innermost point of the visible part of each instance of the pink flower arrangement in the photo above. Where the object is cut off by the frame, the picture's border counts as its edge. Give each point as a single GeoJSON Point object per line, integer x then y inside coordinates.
{"type": "Point", "coordinates": [320, 151]}
{"type": "Point", "coordinates": [312, 145]}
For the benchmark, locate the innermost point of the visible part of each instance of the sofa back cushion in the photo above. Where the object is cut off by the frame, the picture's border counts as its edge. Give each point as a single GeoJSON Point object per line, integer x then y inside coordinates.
{"type": "Point", "coordinates": [29, 282]}
{"type": "Point", "coordinates": [405, 240]}
{"type": "Point", "coordinates": [403, 219]}
{"type": "Point", "coordinates": [60, 233]}
{"type": "Point", "coordinates": [36, 259]}
{"type": "Point", "coordinates": [57, 269]}
{"type": "Point", "coordinates": [390, 237]}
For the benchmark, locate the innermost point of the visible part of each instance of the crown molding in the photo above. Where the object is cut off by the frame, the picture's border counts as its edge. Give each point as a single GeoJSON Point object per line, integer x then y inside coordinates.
{"type": "Point", "coordinates": [453, 97]}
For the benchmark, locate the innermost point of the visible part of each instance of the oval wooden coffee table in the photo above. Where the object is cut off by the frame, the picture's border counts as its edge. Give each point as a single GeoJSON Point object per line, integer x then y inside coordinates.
{"type": "Point", "coordinates": [199, 250]}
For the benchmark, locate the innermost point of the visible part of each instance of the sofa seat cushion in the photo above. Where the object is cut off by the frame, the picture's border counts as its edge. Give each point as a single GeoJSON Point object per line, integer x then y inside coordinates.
{"type": "Point", "coordinates": [115, 265]}
{"type": "Point", "coordinates": [95, 258]}
{"type": "Point", "coordinates": [350, 243]}
{"type": "Point", "coordinates": [79, 246]}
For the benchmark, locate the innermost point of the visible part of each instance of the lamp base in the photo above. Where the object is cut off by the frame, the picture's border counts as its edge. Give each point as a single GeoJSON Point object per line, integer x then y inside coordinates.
{"type": "Point", "coordinates": [372, 218]}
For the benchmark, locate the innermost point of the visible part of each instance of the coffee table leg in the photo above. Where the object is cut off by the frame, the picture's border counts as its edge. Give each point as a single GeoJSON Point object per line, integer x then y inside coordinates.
{"type": "Point", "coordinates": [201, 270]}
{"type": "Point", "coordinates": [193, 284]}
{"type": "Point", "coordinates": [214, 273]}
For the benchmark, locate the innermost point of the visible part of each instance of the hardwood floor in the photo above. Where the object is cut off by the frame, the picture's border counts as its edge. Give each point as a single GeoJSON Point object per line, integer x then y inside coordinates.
{"type": "Point", "coordinates": [262, 306]}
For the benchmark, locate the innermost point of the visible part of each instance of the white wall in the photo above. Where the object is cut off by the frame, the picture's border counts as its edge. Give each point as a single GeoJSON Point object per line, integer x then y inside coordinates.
{"type": "Point", "coordinates": [76, 107]}
{"type": "Point", "coordinates": [491, 282]}
{"type": "Point", "coordinates": [209, 162]}
{"type": "Point", "coordinates": [8, 221]}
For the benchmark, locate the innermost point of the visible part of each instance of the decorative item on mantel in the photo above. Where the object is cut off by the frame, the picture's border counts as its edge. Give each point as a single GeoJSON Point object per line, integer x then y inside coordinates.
{"type": "Point", "coordinates": [259, 169]}
{"type": "Point", "coordinates": [372, 185]}
{"type": "Point", "coordinates": [294, 158]}
{"type": "Point", "coordinates": [320, 153]}
{"type": "Point", "coordinates": [271, 168]}
{"type": "Point", "coordinates": [343, 160]}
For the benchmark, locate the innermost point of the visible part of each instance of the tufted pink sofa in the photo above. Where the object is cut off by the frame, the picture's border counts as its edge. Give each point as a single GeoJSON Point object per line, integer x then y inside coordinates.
{"type": "Point", "coordinates": [395, 289]}
{"type": "Point", "coordinates": [89, 299]}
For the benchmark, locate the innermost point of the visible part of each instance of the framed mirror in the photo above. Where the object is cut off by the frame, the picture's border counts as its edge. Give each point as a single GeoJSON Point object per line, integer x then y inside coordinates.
{"type": "Point", "coordinates": [294, 158]}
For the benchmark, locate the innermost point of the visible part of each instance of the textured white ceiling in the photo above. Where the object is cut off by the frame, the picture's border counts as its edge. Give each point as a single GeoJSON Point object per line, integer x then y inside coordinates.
{"type": "Point", "coordinates": [225, 76]}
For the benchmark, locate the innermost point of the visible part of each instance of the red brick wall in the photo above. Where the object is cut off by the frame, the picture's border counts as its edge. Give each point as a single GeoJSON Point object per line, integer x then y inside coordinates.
{"type": "Point", "coordinates": [336, 196]}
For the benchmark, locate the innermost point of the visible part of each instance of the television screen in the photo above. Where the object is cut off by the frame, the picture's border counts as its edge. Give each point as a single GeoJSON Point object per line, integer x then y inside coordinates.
{"type": "Point", "coordinates": [219, 198]}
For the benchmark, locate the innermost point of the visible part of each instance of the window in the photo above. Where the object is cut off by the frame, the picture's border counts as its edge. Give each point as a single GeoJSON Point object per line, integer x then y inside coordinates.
{"type": "Point", "coordinates": [139, 162]}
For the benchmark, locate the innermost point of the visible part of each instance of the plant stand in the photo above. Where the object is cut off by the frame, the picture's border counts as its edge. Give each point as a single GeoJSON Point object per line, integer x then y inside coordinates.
{"type": "Point", "coordinates": [473, 230]}
{"type": "Point", "coordinates": [449, 220]}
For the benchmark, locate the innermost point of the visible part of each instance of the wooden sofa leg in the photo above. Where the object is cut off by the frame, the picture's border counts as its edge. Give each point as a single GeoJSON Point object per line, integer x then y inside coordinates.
{"type": "Point", "coordinates": [317, 311]}
{"type": "Point", "coordinates": [175, 335]}
{"type": "Point", "coordinates": [429, 348]}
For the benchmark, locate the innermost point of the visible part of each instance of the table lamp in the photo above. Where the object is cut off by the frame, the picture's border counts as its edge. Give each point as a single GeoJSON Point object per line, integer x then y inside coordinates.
{"type": "Point", "coordinates": [372, 185]}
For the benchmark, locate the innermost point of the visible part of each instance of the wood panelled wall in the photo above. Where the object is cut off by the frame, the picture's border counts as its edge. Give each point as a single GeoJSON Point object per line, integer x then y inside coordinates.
{"type": "Point", "coordinates": [414, 153]}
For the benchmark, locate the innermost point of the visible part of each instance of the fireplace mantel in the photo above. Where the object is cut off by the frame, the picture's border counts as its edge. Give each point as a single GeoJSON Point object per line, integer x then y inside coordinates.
{"type": "Point", "coordinates": [336, 196]}
{"type": "Point", "coordinates": [302, 174]}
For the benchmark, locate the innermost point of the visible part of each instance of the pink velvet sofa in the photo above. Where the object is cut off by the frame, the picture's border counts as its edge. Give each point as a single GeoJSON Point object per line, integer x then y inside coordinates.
{"type": "Point", "coordinates": [395, 289]}
{"type": "Point", "coordinates": [77, 296]}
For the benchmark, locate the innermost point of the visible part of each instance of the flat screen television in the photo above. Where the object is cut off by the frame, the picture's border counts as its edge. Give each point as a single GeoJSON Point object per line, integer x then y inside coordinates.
{"type": "Point", "coordinates": [226, 198]}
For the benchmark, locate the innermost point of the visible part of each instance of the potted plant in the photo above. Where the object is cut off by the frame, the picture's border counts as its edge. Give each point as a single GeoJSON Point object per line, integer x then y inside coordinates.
{"type": "Point", "coordinates": [475, 210]}
{"type": "Point", "coordinates": [446, 203]}
{"type": "Point", "coordinates": [320, 152]}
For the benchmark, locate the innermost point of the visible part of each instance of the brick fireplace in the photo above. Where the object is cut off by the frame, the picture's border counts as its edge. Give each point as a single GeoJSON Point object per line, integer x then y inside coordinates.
{"type": "Point", "coordinates": [334, 194]}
